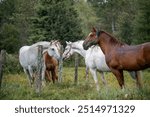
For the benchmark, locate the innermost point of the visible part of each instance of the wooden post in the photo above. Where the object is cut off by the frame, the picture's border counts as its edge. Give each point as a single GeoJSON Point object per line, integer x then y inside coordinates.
{"type": "Point", "coordinates": [60, 65]}
{"type": "Point", "coordinates": [38, 79]}
{"type": "Point", "coordinates": [76, 68]}
{"type": "Point", "coordinates": [2, 62]}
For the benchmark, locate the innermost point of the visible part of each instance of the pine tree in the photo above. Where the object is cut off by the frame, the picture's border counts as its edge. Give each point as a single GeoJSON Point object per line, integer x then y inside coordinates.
{"type": "Point", "coordinates": [56, 19]}
{"type": "Point", "coordinates": [8, 31]}
{"type": "Point", "coordinates": [142, 22]}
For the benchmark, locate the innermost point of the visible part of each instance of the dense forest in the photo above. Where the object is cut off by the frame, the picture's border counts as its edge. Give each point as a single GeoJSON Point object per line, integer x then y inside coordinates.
{"type": "Point", "coordinates": [27, 21]}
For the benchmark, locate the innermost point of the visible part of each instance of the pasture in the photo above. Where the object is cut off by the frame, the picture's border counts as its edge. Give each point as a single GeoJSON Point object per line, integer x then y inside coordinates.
{"type": "Point", "coordinates": [16, 87]}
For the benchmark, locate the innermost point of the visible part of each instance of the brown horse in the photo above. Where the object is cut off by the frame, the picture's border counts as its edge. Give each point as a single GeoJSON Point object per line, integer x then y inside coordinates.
{"type": "Point", "coordinates": [51, 65]}
{"type": "Point", "coordinates": [120, 56]}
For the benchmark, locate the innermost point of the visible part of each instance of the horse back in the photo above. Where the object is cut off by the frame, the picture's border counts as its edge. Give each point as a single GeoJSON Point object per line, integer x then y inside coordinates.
{"type": "Point", "coordinates": [130, 57]}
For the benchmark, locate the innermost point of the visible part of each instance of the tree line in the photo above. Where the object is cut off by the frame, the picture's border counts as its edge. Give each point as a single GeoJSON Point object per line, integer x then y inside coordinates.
{"type": "Point", "coordinates": [24, 22]}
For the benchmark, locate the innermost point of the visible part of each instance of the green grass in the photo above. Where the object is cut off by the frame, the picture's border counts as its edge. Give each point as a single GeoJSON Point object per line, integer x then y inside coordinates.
{"type": "Point", "coordinates": [16, 87]}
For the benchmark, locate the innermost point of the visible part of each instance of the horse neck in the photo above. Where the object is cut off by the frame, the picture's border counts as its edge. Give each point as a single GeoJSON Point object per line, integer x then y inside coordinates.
{"type": "Point", "coordinates": [78, 48]}
{"type": "Point", "coordinates": [47, 56]}
{"type": "Point", "coordinates": [107, 43]}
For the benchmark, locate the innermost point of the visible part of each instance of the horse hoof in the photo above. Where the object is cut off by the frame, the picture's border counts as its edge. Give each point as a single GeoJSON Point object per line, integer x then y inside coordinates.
{"type": "Point", "coordinates": [126, 95]}
{"type": "Point", "coordinates": [43, 84]}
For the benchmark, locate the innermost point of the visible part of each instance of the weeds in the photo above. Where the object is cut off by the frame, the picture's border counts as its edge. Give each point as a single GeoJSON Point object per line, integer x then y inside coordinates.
{"type": "Point", "coordinates": [16, 87]}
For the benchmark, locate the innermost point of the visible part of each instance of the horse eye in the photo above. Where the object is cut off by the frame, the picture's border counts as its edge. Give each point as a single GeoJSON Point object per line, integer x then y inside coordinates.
{"type": "Point", "coordinates": [52, 49]}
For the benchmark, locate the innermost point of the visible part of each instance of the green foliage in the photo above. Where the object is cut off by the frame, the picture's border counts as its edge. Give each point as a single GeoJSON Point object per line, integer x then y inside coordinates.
{"type": "Point", "coordinates": [125, 22]}
{"type": "Point", "coordinates": [126, 19]}
{"type": "Point", "coordinates": [15, 23]}
{"type": "Point", "coordinates": [23, 21]}
{"type": "Point", "coordinates": [55, 19]}
{"type": "Point", "coordinates": [9, 38]}
{"type": "Point", "coordinates": [12, 64]}
{"type": "Point", "coordinates": [21, 18]}
{"type": "Point", "coordinates": [142, 22]}
{"type": "Point", "coordinates": [8, 32]}
{"type": "Point", "coordinates": [87, 15]}
{"type": "Point", "coordinates": [7, 8]}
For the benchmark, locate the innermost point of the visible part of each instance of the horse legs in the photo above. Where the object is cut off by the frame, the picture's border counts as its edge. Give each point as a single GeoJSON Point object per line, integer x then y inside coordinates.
{"type": "Point", "coordinates": [132, 74]}
{"type": "Point", "coordinates": [103, 78]}
{"type": "Point", "coordinates": [119, 76]}
{"type": "Point", "coordinates": [56, 71]}
{"type": "Point", "coordinates": [54, 76]}
{"type": "Point", "coordinates": [93, 72]}
{"type": "Point", "coordinates": [28, 75]}
{"type": "Point", "coordinates": [138, 79]}
{"type": "Point", "coordinates": [87, 73]}
{"type": "Point", "coordinates": [48, 75]}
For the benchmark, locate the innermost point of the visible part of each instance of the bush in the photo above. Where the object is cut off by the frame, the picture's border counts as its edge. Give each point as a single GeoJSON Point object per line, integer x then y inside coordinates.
{"type": "Point", "coordinates": [12, 64]}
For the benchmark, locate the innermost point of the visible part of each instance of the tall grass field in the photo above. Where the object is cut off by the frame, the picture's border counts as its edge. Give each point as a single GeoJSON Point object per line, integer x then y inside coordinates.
{"type": "Point", "coordinates": [16, 87]}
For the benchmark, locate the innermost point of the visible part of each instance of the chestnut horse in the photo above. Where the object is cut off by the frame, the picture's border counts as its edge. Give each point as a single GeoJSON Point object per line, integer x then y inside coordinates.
{"type": "Point", "coordinates": [120, 56]}
{"type": "Point", "coordinates": [50, 60]}
{"type": "Point", "coordinates": [51, 65]}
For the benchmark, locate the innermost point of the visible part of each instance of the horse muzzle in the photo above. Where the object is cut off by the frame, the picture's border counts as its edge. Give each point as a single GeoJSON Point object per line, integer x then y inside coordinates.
{"type": "Point", "coordinates": [85, 46]}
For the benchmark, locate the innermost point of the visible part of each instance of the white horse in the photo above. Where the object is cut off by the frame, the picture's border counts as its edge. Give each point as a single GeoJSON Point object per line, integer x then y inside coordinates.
{"type": "Point", "coordinates": [28, 58]}
{"type": "Point", "coordinates": [54, 49]}
{"type": "Point", "coordinates": [94, 59]}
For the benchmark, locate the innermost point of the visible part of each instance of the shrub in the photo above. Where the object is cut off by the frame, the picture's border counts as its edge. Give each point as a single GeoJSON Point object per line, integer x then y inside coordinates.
{"type": "Point", "coordinates": [12, 64]}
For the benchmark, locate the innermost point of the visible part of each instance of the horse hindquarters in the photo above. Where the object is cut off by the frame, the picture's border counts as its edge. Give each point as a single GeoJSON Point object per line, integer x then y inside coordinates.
{"type": "Point", "coordinates": [146, 54]}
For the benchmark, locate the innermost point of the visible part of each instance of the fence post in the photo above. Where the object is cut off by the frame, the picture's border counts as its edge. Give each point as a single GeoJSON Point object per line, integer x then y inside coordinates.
{"type": "Point", "coordinates": [2, 62]}
{"type": "Point", "coordinates": [76, 68]}
{"type": "Point", "coordinates": [60, 65]}
{"type": "Point", "coordinates": [38, 79]}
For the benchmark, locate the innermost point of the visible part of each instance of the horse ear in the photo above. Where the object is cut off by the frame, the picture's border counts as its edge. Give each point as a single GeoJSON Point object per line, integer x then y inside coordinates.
{"type": "Point", "coordinates": [66, 42]}
{"type": "Point", "coordinates": [93, 29]}
{"type": "Point", "coordinates": [70, 42]}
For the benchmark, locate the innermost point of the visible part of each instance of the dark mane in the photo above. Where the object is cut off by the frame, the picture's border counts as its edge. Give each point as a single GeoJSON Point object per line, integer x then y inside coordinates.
{"type": "Point", "coordinates": [112, 38]}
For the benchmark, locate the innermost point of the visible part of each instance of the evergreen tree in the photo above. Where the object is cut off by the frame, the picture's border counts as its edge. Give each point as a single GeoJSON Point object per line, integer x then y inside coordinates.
{"type": "Point", "coordinates": [8, 31]}
{"type": "Point", "coordinates": [87, 15]}
{"type": "Point", "coordinates": [56, 19]}
{"type": "Point", "coordinates": [125, 21]}
{"type": "Point", "coordinates": [142, 22]}
{"type": "Point", "coordinates": [24, 11]}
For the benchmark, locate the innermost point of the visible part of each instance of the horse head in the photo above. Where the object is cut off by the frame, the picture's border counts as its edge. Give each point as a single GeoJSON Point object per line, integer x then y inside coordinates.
{"type": "Point", "coordinates": [68, 50]}
{"type": "Point", "coordinates": [54, 49]}
{"type": "Point", "coordinates": [91, 39]}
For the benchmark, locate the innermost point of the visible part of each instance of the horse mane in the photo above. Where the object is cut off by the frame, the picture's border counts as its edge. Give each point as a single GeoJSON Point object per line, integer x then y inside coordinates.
{"type": "Point", "coordinates": [113, 40]}
{"type": "Point", "coordinates": [57, 43]}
